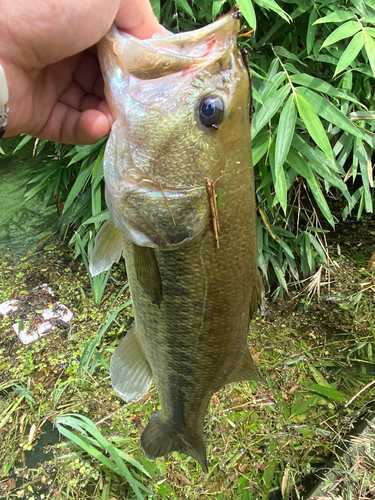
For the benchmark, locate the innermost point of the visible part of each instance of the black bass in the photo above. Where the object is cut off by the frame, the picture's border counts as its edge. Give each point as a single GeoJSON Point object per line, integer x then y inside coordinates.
{"type": "Point", "coordinates": [180, 191]}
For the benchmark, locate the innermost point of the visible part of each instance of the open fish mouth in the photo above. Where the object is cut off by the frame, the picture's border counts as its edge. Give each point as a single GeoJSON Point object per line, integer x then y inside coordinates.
{"type": "Point", "coordinates": [161, 56]}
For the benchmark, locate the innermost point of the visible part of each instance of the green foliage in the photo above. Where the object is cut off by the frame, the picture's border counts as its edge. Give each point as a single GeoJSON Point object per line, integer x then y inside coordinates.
{"type": "Point", "coordinates": [89, 438]}
{"type": "Point", "coordinates": [313, 67]}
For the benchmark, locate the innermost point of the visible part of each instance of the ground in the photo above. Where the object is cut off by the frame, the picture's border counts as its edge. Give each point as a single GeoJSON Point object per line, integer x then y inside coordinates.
{"type": "Point", "coordinates": [269, 441]}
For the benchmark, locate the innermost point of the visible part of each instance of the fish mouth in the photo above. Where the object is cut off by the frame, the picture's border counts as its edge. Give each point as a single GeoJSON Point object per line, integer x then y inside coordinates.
{"type": "Point", "coordinates": [160, 56]}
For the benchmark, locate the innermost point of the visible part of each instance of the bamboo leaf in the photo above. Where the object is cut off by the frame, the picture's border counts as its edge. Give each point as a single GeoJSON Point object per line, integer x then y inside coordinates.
{"type": "Point", "coordinates": [346, 30]}
{"type": "Point", "coordinates": [22, 143]}
{"type": "Point", "coordinates": [329, 112]}
{"type": "Point", "coordinates": [308, 252]}
{"type": "Point", "coordinates": [311, 30]}
{"type": "Point", "coordinates": [370, 51]}
{"type": "Point", "coordinates": [315, 155]}
{"type": "Point", "coordinates": [319, 85]}
{"type": "Point", "coordinates": [269, 109]}
{"type": "Point", "coordinates": [318, 247]}
{"type": "Point", "coordinates": [285, 132]}
{"type": "Point", "coordinates": [247, 9]}
{"type": "Point", "coordinates": [272, 5]}
{"type": "Point", "coordinates": [279, 273]}
{"type": "Point", "coordinates": [78, 185]}
{"type": "Point", "coordinates": [297, 162]}
{"type": "Point", "coordinates": [272, 84]}
{"type": "Point", "coordinates": [281, 51]}
{"type": "Point", "coordinates": [313, 124]}
{"type": "Point", "coordinates": [186, 7]}
{"type": "Point", "coordinates": [260, 146]}
{"type": "Point", "coordinates": [336, 17]}
{"type": "Point", "coordinates": [350, 53]}
{"type": "Point", "coordinates": [155, 4]}
{"type": "Point", "coordinates": [364, 160]}
{"type": "Point", "coordinates": [324, 58]}
{"type": "Point", "coordinates": [256, 96]}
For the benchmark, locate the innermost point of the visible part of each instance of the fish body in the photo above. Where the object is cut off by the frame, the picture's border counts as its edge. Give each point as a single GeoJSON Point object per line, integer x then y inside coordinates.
{"type": "Point", "coordinates": [180, 190]}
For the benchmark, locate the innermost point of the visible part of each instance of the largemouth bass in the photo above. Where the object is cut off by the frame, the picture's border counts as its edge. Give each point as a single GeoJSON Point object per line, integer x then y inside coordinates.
{"type": "Point", "coordinates": [180, 191]}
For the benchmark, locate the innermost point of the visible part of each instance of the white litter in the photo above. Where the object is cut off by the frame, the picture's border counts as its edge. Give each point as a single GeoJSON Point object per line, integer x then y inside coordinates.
{"type": "Point", "coordinates": [8, 307]}
{"type": "Point", "coordinates": [37, 324]}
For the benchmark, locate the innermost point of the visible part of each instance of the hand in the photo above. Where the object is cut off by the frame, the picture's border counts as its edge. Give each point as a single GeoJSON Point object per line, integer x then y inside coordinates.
{"type": "Point", "coordinates": [47, 50]}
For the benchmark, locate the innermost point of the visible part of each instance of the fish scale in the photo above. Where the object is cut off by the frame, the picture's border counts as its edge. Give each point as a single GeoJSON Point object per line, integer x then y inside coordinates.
{"type": "Point", "coordinates": [191, 265]}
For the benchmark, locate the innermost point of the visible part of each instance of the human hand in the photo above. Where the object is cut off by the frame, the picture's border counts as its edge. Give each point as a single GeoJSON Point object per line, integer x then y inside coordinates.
{"type": "Point", "coordinates": [47, 49]}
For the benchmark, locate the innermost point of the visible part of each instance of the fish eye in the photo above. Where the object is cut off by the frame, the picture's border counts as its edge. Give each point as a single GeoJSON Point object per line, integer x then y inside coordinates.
{"type": "Point", "coordinates": [211, 110]}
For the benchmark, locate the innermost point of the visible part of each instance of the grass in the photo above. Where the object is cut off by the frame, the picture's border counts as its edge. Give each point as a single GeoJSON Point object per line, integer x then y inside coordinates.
{"type": "Point", "coordinates": [263, 442]}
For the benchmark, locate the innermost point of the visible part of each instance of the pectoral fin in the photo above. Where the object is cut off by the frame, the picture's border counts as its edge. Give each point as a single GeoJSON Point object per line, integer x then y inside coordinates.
{"type": "Point", "coordinates": [131, 374]}
{"type": "Point", "coordinates": [246, 370]}
{"type": "Point", "coordinates": [147, 271]}
{"type": "Point", "coordinates": [160, 438]}
{"type": "Point", "coordinates": [107, 249]}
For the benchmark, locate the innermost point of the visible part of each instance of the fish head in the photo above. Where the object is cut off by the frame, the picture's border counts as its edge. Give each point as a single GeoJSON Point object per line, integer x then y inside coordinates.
{"type": "Point", "coordinates": [180, 103]}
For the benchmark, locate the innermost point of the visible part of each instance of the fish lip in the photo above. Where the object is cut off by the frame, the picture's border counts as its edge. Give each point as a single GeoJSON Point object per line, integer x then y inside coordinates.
{"type": "Point", "coordinates": [182, 50]}
{"type": "Point", "coordinates": [228, 23]}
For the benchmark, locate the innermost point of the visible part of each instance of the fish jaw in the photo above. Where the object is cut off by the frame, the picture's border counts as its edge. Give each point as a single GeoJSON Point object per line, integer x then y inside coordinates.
{"type": "Point", "coordinates": [160, 56]}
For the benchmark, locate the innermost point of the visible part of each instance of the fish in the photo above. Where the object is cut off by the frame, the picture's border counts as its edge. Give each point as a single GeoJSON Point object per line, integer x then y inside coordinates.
{"type": "Point", "coordinates": [180, 192]}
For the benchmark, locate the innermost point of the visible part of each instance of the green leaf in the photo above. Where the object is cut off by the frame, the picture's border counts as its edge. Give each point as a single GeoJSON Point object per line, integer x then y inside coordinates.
{"type": "Point", "coordinates": [321, 86]}
{"type": "Point", "coordinates": [308, 252]}
{"type": "Point", "coordinates": [324, 58]}
{"type": "Point", "coordinates": [311, 30]}
{"type": "Point", "coordinates": [155, 4]}
{"type": "Point", "coordinates": [269, 109]}
{"type": "Point", "coordinates": [186, 7]}
{"type": "Point", "coordinates": [260, 146]}
{"type": "Point", "coordinates": [247, 9]}
{"type": "Point", "coordinates": [315, 155]}
{"type": "Point", "coordinates": [78, 185]}
{"type": "Point", "coordinates": [272, 5]}
{"type": "Point", "coordinates": [370, 31]}
{"type": "Point", "coordinates": [313, 124]}
{"type": "Point", "coordinates": [336, 17]}
{"type": "Point", "coordinates": [268, 473]}
{"type": "Point", "coordinates": [272, 84]}
{"type": "Point", "coordinates": [297, 162]}
{"type": "Point", "coordinates": [300, 409]}
{"type": "Point", "coordinates": [346, 30]}
{"type": "Point", "coordinates": [256, 96]}
{"type": "Point", "coordinates": [281, 51]}
{"type": "Point", "coordinates": [325, 391]}
{"type": "Point", "coordinates": [350, 53]}
{"type": "Point", "coordinates": [285, 132]}
{"type": "Point", "coordinates": [279, 273]}
{"type": "Point", "coordinates": [318, 247]}
{"type": "Point", "coordinates": [365, 166]}
{"type": "Point", "coordinates": [80, 153]}
{"type": "Point", "coordinates": [22, 143]}
{"type": "Point", "coordinates": [329, 112]}
{"type": "Point", "coordinates": [370, 51]}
